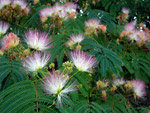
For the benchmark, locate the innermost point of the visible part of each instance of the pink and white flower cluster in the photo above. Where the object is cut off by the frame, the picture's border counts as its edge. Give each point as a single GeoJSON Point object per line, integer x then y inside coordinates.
{"type": "Point", "coordinates": [4, 3]}
{"type": "Point", "coordinates": [133, 34]}
{"type": "Point", "coordinates": [125, 10]}
{"type": "Point", "coordinates": [75, 38]}
{"type": "Point", "coordinates": [36, 62]}
{"type": "Point", "coordinates": [92, 26]}
{"type": "Point", "coordinates": [64, 12]}
{"type": "Point", "coordinates": [37, 40]}
{"type": "Point", "coordinates": [14, 3]}
{"type": "Point", "coordinates": [57, 84]}
{"type": "Point", "coordinates": [3, 27]}
{"type": "Point", "coordinates": [82, 60]}
{"type": "Point", "coordinates": [9, 41]}
{"type": "Point", "coordinates": [137, 86]}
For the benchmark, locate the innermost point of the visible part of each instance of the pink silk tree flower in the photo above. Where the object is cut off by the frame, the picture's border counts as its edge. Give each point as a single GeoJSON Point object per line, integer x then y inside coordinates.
{"type": "Point", "coordinates": [36, 62]}
{"type": "Point", "coordinates": [138, 87]}
{"type": "Point", "coordinates": [59, 10]}
{"type": "Point", "coordinates": [93, 26]}
{"type": "Point", "coordinates": [134, 36]}
{"type": "Point", "coordinates": [3, 27]}
{"type": "Point", "coordinates": [57, 84]}
{"type": "Point", "coordinates": [38, 41]}
{"type": "Point", "coordinates": [63, 12]}
{"type": "Point", "coordinates": [93, 23]}
{"type": "Point", "coordinates": [10, 41]}
{"type": "Point", "coordinates": [125, 10]}
{"type": "Point", "coordinates": [22, 4]}
{"type": "Point", "coordinates": [70, 8]}
{"type": "Point", "coordinates": [75, 38]}
{"type": "Point", "coordinates": [45, 13]}
{"type": "Point", "coordinates": [130, 28]}
{"type": "Point", "coordinates": [82, 60]}
{"type": "Point", "coordinates": [3, 3]}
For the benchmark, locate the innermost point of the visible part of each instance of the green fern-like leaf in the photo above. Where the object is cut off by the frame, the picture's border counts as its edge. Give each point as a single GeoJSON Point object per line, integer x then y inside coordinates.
{"type": "Point", "coordinates": [25, 96]}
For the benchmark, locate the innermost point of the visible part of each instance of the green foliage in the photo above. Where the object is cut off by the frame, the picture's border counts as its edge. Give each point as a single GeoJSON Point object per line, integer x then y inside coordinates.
{"type": "Point", "coordinates": [138, 8]}
{"type": "Point", "coordinates": [21, 93]}
{"type": "Point", "coordinates": [25, 96]}
{"type": "Point", "coordinates": [107, 59]}
{"type": "Point", "coordinates": [11, 72]}
{"type": "Point", "coordinates": [116, 104]}
{"type": "Point", "coordinates": [138, 65]}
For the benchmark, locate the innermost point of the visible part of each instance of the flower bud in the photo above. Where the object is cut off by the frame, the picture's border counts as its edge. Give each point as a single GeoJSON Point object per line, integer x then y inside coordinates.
{"type": "Point", "coordinates": [78, 47]}
{"type": "Point", "coordinates": [123, 33]}
{"type": "Point", "coordinates": [1, 53]}
{"type": "Point", "coordinates": [104, 95]}
{"type": "Point", "coordinates": [128, 86]}
{"type": "Point", "coordinates": [35, 74]}
{"type": "Point", "coordinates": [113, 88]}
{"type": "Point", "coordinates": [142, 25]}
{"type": "Point", "coordinates": [35, 2]}
{"type": "Point", "coordinates": [52, 66]}
{"type": "Point", "coordinates": [103, 28]}
{"type": "Point", "coordinates": [45, 68]}
{"type": "Point", "coordinates": [57, 71]}
{"type": "Point", "coordinates": [99, 84]}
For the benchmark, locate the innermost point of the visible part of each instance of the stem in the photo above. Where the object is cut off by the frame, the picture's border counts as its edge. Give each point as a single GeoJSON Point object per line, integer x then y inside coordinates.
{"type": "Point", "coordinates": [109, 43]}
{"type": "Point", "coordinates": [10, 61]}
{"type": "Point", "coordinates": [73, 75]}
{"type": "Point", "coordinates": [36, 96]}
{"type": "Point", "coordinates": [122, 88]}
{"type": "Point", "coordinates": [69, 80]}
{"type": "Point", "coordinates": [27, 76]}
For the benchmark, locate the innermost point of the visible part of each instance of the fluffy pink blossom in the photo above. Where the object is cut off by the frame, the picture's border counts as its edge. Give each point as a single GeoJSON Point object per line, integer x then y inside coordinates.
{"type": "Point", "coordinates": [64, 12]}
{"type": "Point", "coordinates": [138, 88]}
{"type": "Point", "coordinates": [93, 23]}
{"type": "Point", "coordinates": [4, 3]}
{"type": "Point", "coordinates": [134, 35]}
{"type": "Point", "coordinates": [125, 10]}
{"type": "Point", "coordinates": [57, 84]}
{"type": "Point", "coordinates": [36, 62]}
{"type": "Point", "coordinates": [139, 36]}
{"type": "Point", "coordinates": [142, 36]}
{"type": "Point", "coordinates": [82, 60]}
{"type": "Point", "coordinates": [130, 28]}
{"type": "Point", "coordinates": [36, 40]}
{"type": "Point", "coordinates": [3, 27]}
{"type": "Point", "coordinates": [45, 13]}
{"type": "Point", "coordinates": [58, 8]}
{"type": "Point", "coordinates": [70, 8]}
{"type": "Point", "coordinates": [10, 41]}
{"type": "Point", "coordinates": [75, 39]}
{"type": "Point", "coordinates": [22, 4]}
